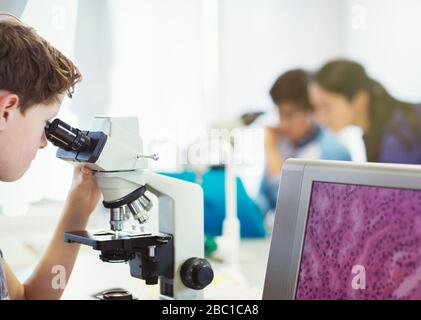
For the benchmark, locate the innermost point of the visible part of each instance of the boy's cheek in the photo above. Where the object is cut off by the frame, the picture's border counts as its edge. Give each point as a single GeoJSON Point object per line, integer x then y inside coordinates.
{"type": "Point", "coordinates": [32, 138]}
{"type": "Point", "coordinates": [26, 156]}
{"type": "Point", "coordinates": [30, 148]}
{"type": "Point", "coordinates": [19, 165]}
{"type": "Point", "coordinates": [34, 150]}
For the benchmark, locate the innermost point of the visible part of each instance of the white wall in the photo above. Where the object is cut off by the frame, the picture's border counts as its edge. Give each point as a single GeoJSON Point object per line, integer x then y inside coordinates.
{"type": "Point", "coordinates": [384, 35]}
{"type": "Point", "coordinates": [261, 39]}
{"type": "Point", "coordinates": [157, 74]}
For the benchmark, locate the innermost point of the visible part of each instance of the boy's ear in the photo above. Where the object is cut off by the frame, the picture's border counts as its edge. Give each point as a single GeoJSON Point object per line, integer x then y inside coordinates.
{"type": "Point", "coordinates": [8, 103]}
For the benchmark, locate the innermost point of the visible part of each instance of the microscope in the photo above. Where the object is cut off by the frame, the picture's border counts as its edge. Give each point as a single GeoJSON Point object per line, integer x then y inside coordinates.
{"type": "Point", "coordinates": [171, 256]}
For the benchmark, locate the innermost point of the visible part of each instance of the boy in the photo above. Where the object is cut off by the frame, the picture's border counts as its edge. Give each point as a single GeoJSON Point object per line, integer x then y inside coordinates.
{"type": "Point", "coordinates": [34, 77]}
{"type": "Point", "coordinates": [297, 136]}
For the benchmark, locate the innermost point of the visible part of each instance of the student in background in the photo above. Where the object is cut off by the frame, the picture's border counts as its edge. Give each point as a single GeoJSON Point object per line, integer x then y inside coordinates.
{"type": "Point", "coordinates": [344, 94]}
{"type": "Point", "coordinates": [298, 135]}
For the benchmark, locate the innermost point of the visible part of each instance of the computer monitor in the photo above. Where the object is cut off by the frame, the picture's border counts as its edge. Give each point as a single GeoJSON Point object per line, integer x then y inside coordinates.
{"type": "Point", "coordinates": [346, 230]}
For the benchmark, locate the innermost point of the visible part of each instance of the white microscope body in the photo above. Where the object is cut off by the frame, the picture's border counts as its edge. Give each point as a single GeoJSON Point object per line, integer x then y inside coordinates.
{"type": "Point", "coordinates": [123, 176]}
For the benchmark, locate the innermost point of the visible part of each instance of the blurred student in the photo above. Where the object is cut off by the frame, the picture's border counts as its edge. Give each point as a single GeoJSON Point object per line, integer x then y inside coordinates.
{"type": "Point", "coordinates": [297, 136]}
{"type": "Point", "coordinates": [344, 94]}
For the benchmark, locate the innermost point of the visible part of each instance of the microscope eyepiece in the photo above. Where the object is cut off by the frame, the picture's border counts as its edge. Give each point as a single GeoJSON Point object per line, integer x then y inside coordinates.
{"type": "Point", "coordinates": [64, 136]}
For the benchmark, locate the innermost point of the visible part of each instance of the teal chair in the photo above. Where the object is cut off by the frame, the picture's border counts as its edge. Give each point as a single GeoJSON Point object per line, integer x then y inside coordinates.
{"type": "Point", "coordinates": [213, 184]}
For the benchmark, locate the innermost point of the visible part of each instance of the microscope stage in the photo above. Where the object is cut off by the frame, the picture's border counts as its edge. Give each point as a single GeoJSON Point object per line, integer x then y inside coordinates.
{"type": "Point", "coordinates": [108, 241]}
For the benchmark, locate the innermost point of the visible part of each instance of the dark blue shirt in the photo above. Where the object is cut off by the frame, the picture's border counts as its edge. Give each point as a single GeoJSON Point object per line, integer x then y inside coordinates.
{"type": "Point", "coordinates": [400, 144]}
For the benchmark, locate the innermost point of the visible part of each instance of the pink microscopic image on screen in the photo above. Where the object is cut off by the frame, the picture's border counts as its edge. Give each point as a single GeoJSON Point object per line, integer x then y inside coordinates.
{"type": "Point", "coordinates": [361, 242]}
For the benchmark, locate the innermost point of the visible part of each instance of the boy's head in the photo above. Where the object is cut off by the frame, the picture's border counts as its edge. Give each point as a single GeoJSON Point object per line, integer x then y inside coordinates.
{"type": "Point", "coordinates": [34, 77]}
{"type": "Point", "coordinates": [289, 93]}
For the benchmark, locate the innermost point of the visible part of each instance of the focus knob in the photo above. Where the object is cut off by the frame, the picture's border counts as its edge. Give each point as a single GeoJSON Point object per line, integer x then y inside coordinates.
{"type": "Point", "coordinates": [196, 273]}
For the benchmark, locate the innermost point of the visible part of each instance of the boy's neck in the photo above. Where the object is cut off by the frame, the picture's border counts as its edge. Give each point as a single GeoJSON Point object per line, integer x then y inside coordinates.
{"type": "Point", "coordinates": [310, 135]}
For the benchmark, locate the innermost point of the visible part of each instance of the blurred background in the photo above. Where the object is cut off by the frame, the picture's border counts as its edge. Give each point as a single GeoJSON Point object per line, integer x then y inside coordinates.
{"type": "Point", "coordinates": [182, 66]}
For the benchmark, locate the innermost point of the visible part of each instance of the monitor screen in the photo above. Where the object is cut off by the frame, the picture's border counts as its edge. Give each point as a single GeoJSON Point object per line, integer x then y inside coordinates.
{"type": "Point", "coordinates": [361, 242]}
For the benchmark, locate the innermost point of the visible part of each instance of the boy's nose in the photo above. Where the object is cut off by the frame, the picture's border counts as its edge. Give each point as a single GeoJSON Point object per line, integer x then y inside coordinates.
{"type": "Point", "coordinates": [44, 142]}
{"type": "Point", "coordinates": [284, 125]}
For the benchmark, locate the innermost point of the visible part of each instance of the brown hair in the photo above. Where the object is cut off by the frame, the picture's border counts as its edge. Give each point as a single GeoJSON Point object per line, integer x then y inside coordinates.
{"type": "Point", "coordinates": [33, 69]}
{"type": "Point", "coordinates": [292, 87]}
